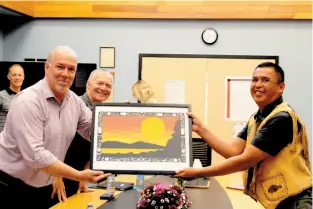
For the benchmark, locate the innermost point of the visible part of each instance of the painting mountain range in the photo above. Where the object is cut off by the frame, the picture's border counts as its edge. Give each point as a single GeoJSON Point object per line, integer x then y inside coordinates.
{"type": "Point", "coordinates": [171, 150]}
{"type": "Point", "coordinates": [135, 145]}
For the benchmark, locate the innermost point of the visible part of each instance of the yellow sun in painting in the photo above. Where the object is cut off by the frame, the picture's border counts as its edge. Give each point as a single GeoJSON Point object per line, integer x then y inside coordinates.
{"type": "Point", "coordinates": [153, 130]}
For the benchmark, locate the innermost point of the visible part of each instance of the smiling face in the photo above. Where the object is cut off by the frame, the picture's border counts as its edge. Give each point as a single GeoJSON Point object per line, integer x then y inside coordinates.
{"type": "Point", "coordinates": [266, 86]}
{"type": "Point", "coordinates": [60, 71]}
{"type": "Point", "coordinates": [16, 76]}
{"type": "Point", "coordinates": [99, 86]}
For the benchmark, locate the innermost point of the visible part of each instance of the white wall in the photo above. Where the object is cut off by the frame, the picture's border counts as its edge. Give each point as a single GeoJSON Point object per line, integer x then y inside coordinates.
{"type": "Point", "coordinates": [290, 40]}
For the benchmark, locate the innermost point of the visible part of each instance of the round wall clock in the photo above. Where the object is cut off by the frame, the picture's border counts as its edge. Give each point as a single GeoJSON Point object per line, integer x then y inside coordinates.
{"type": "Point", "coordinates": [209, 36]}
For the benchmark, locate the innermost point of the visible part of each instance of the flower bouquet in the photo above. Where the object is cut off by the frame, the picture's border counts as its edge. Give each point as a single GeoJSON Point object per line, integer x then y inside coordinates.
{"type": "Point", "coordinates": [163, 196]}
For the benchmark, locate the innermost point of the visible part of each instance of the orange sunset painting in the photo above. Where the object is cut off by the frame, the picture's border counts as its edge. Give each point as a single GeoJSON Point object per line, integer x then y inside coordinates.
{"type": "Point", "coordinates": [137, 135]}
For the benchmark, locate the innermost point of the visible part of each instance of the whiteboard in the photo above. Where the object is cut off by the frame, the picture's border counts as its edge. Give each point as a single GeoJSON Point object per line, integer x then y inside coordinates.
{"type": "Point", "coordinates": [239, 102]}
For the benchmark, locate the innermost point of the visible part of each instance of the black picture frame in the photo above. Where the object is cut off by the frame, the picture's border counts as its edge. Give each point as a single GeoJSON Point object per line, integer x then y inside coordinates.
{"type": "Point", "coordinates": [102, 54]}
{"type": "Point", "coordinates": [159, 161]}
{"type": "Point", "coordinates": [215, 56]}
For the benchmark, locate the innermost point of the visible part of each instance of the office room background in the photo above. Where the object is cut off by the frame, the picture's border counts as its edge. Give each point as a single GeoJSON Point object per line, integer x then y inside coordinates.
{"type": "Point", "coordinates": [290, 40]}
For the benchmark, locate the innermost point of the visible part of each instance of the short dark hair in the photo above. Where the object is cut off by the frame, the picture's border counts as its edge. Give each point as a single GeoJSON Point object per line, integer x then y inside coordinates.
{"type": "Point", "coordinates": [277, 69]}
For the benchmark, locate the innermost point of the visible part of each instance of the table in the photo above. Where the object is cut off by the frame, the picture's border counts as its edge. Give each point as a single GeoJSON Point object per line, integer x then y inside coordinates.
{"type": "Point", "coordinates": [212, 198]}
{"type": "Point", "coordinates": [221, 197]}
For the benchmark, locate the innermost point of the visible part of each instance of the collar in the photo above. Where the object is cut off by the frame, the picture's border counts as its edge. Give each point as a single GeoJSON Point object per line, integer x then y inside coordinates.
{"type": "Point", "coordinates": [48, 92]}
{"type": "Point", "coordinates": [10, 92]}
{"type": "Point", "coordinates": [86, 100]}
{"type": "Point", "coordinates": [260, 116]}
{"type": "Point", "coordinates": [46, 89]}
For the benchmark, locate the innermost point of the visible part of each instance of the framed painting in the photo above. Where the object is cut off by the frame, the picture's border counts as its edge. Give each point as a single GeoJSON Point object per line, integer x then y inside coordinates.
{"type": "Point", "coordinates": [141, 138]}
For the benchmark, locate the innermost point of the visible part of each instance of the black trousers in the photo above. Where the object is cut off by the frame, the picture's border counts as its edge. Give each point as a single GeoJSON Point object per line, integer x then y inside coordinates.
{"type": "Point", "coordinates": [300, 201]}
{"type": "Point", "coordinates": [15, 194]}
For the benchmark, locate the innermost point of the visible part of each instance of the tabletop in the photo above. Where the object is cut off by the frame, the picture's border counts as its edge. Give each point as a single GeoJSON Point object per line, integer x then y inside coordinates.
{"type": "Point", "coordinates": [218, 190]}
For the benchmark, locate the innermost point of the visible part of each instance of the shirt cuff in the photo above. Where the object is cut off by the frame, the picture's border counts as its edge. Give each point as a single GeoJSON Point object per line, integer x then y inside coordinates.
{"type": "Point", "coordinates": [43, 159]}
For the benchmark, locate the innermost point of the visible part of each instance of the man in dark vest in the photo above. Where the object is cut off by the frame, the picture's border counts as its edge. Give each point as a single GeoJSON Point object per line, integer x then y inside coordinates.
{"type": "Point", "coordinates": [272, 149]}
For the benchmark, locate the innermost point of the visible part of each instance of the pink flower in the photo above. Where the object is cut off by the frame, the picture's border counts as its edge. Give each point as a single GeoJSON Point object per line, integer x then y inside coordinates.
{"type": "Point", "coordinates": [162, 186]}
{"type": "Point", "coordinates": [158, 194]}
{"type": "Point", "coordinates": [175, 192]}
{"type": "Point", "coordinates": [142, 203]}
{"type": "Point", "coordinates": [179, 202]}
{"type": "Point", "coordinates": [174, 196]}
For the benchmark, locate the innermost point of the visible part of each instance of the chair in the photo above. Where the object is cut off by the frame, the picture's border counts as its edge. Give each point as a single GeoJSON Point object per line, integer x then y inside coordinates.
{"type": "Point", "coordinates": [201, 150]}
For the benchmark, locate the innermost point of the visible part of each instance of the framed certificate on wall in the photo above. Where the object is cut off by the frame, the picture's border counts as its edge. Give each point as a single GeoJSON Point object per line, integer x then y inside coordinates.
{"type": "Point", "coordinates": [107, 57]}
{"type": "Point", "coordinates": [141, 138]}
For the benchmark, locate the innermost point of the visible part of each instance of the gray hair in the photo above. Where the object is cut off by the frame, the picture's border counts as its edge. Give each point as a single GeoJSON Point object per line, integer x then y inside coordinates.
{"type": "Point", "coordinates": [94, 72]}
{"type": "Point", "coordinates": [61, 48]}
